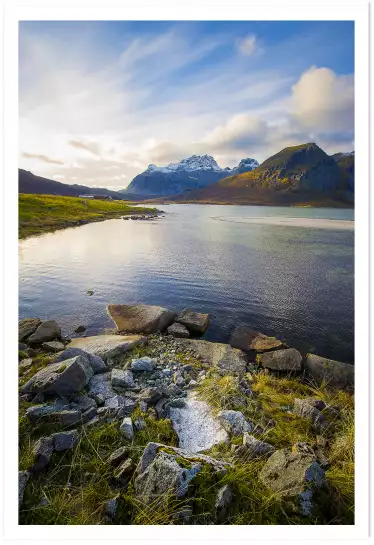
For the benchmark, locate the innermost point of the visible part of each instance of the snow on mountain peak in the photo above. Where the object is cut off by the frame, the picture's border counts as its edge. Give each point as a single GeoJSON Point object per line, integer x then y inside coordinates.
{"type": "Point", "coordinates": [201, 162]}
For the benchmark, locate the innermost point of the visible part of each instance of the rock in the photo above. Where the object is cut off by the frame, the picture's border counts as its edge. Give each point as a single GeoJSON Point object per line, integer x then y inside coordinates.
{"type": "Point", "coordinates": [143, 364]}
{"type": "Point", "coordinates": [27, 327]}
{"type": "Point", "coordinates": [234, 422]}
{"type": "Point", "coordinates": [192, 384]}
{"type": "Point", "coordinates": [140, 318]}
{"type": "Point", "coordinates": [69, 418]}
{"type": "Point", "coordinates": [65, 440]}
{"type": "Point", "coordinates": [118, 456]}
{"type": "Point", "coordinates": [195, 425]}
{"type": "Point", "coordinates": [248, 339]}
{"type": "Point", "coordinates": [160, 407]}
{"type": "Point", "coordinates": [128, 406]}
{"type": "Point", "coordinates": [281, 360]}
{"type": "Point", "coordinates": [256, 449]}
{"type": "Point", "coordinates": [25, 364]}
{"type": "Point", "coordinates": [139, 424]}
{"type": "Point", "coordinates": [80, 329]}
{"type": "Point", "coordinates": [178, 330]}
{"type": "Point", "coordinates": [82, 402]}
{"type": "Point", "coordinates": [46, 331]}
{"type": "Point", "coordinates": [111, 507]}
{"type": "Point", "coordinates": [88, 415]}
{"type": "Point", "coordinates": [303, 447]}
{"type": "Point", "coordinates": [195, 322]}
{"type": "Point", "coordinates": [335, 373]}
{"type": "Point", "coordinates": [305, 410]}
{"type": "Point", "coordinates": [62, 378]}
{"type": "Point", "coordinates": [38, 412]}
{"type": "Point", "coordinates": [39, 398]}
{"type": "Point", "coordinates": [23, 477]}
{"type": "Point", "coordinates": [124, 472]}
{"type": "Point", "coordinates": [225, 359]}
{"type": "Point", "coordinates": [53, 346]}
{"type": "Point", "coordinates": [101, 385]}
{"type": "Point", "coordinates": [99, 399]}
{"type": "Point", "coordinates": [96, 362]}
{"type": "Point", "coordinates": [151, 395]}
{"type": "Point", "coordinates": [43, 450]}
{"type": "Point", "coordinates": [224, 499]}
{"type": "Point", "coordinates": [122, 379]}
{"type": "Point", "coordinates": [126, 429]}
{"type": "Point", "coordinates": [107, 346]}
{"type": "Point", "coordinates": [296, 478]}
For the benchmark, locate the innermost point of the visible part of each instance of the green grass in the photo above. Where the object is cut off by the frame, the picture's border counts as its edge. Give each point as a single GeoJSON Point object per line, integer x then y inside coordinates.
{"type": "Point", "coordinates": [42, 213]}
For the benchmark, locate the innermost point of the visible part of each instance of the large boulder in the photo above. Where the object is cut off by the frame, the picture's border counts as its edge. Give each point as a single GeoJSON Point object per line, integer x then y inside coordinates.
{"type": "Point", "coordinates": [47, 331]}
{"type": "Point", "coordinates": [248, 339]}
{"type": "Point", "coordinates": [335, 373]}
{"type": "Point", "coordinates": [225, 359]}
{"type": "Point", "coordinates": [107, 346]}
{"type": "Point", "coordinates": [195, 322]}
{"type": "Point", "coordinates": [26, 327]}
{"type": "Point", "coordinates": [296, 478]}
{"type": "Point", "coordinates": [281, 360]}
{"type": "Point", "coordinates": [140, 318]}
{"type": "Point", "coordinates": [96, 362]}
{"type": "Point", "coordinates": [61, 378]}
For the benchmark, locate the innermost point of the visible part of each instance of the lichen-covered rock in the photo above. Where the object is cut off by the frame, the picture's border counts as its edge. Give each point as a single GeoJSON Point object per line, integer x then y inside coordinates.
{"type": "Point", "coordinates": [296, 478]}
{"type": "Point", "coordinates": [46, 331]}
{"type": "Point", "coordinates": [26, 327]}
{"type": "Point", "coordinates": [23, 477]}
{"type": "Point", "coordinates": [62, 378]}
{"type": "Point", "coordinates": [248, 339]}
{"type": "Point", "coordinates": [234, 422]}
{"type": "Point", "coordinates": [304, 409]}
{"type": "Point", "coordinates": [195, 322]}
{"type": "Point", "coordinates": [126, 428]}
{"type": "Point", "coordinates": [281, 360]}
{"type": "Point", "coordinates": [140, 318]}
{"type": "Point", "coordinates": [335, 373]}
{"type": "Point", "coordinates": [108, 346]}
{"type": "Point", "coordinates": [122, 379]}
{"type": "Point", "coordinates": [225, 359]}
{"type": "Point", "coordinates": [43, 450]}
{"type": "Point", "coordinates": [143, 364]}
{"type": "Point", "coordinates": [65, 440]}
{"type": "Point", "coordinates": [178, 330]}
{"type": "Point", "coordinates": [97, 363]}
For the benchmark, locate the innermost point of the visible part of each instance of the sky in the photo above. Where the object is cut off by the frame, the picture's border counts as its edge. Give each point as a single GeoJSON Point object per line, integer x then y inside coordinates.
{"type": "Point", "coordinates": [101, 100]}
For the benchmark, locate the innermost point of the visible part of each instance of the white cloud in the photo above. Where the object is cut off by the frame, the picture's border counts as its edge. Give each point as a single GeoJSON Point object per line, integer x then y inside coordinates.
{"type": "Point", "coordinates": [248, 45]}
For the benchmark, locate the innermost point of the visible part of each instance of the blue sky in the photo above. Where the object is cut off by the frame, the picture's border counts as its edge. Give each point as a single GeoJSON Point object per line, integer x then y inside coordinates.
{"type": "Point", "coordinates": [99, 101]}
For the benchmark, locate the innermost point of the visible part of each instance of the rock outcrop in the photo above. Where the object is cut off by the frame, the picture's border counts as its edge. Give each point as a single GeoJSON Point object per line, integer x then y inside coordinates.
{"type": "Point", "coordinates": [281, 360]}
{"type": "Point", "coordinates": [107, 347]}
{"type": "Point", "coordinates": [335, 373]}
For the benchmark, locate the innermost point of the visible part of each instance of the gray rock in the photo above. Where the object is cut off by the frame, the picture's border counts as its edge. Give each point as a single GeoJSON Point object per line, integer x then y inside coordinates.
{"type": "Point", "coordinates": [46, 331]}
{"type": "Point", "coordinates": [254, 448]}
{"type": "Point", "coordinates": [25, 364]}
{"type": "Point", "coordinates": [39, 398]}
{"type": "Point", "coordinates": [99, 399]}
{"type": "Point", "coordinates": [23, 477]}
{"type": "Point", "coordinates": [80, 329]}
{"type": "Point", "coordinates": [152, 395]}
{"type": "Point", "coordinates": [65, 440]}
{"type": "Point", "coordinates": [143, 364]}
{"type": "Point", "coordinates": [118, 456]}
{"type": "Point", "coordinates": [139, 424]}
{"type": "Point", "coordinates": [195, 322]}
{"type": "Point", "coordinates": [69, 418]}
{"type": "Point", "coordinates": [124, 472]}
{"type": "Point", "coordinates": [335, 373]}
{"type": "Point", "coordinates": [115, 402]}
{"type": "Point", "coordinates": [53, 346]}
{"type": "Point", "coordinates": [39, 412]}
{"type": "Point", "coordinates": [225, 359]}
{"type": "Point", "coordinates": [22, 346]}
{"type": "Point", "coordinates": [178, 330]}
{"type": "Point", "coordinates": [296, 478]}
{"type": "Point", "coordinates": [111, 507]}
{"type": "Point", "coordinates": [248, 339]}
{"type": "Point", "coordinates": [195, 425]}
{"type": "Point", "coordinates": [140, 318]}
{"type": "Point", "coordinates": [281, 360]}
{"type": "Point", "coordinates": [62, 378]}
{"type": "Point", "coordinates": [89, 415]}
{"type": "Point", "coordinates": [83, 403]}
{"type": "Point", "coordinates": [126, 429]}
{"type": "Point", "coordinates": [160, 407]}
{"type": "Point", "coordinates": [129, 405]}
{"type": "Point", "coordinates": [96, 362]}
{"type": "Point", "coordinates": [234, 422]}
{"type": "Point", "coordinates": [101, 385]}
{"type": "Point", "coordinates": [43, 450]}
{"type": "Point", "coordinates": [305, 410]}
{"type": "Point", "coordinates": [224, 499]}
{"type": "Point", "coordinates": [107, 346]}
{"type": "Point", "coordinates": [122, 379]}
{"type": "Point", "coordinates": [26, 327]}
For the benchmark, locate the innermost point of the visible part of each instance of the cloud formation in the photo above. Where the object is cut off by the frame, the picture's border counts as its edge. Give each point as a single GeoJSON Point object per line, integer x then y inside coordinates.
{"type": "Point", "coordinates": [41, 157]}
{"type": "Point", "coordinates": [91, 147]}
{"type": "Point", "coordinates": [247, 45]}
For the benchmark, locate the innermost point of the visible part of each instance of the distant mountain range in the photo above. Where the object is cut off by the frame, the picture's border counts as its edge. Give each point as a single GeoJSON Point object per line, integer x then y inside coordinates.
{"type": "Point", "coordinates": [302, 174]}
{"type": "Point", "coordinates": [191, 173]}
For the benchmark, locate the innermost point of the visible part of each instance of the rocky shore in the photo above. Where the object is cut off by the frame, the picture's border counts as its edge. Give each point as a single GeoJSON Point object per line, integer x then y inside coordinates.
{"type": "Point", "coordinates": [153, 425]}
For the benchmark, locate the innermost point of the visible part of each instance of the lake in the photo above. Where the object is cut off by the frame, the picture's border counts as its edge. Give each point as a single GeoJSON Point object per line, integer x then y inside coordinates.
{"type": "Point", "coordinates": [285, 271]}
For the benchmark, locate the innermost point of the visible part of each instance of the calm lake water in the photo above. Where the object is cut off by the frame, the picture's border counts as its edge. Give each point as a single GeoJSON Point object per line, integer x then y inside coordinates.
{"type": "Point", "coordinates": [253, 265]}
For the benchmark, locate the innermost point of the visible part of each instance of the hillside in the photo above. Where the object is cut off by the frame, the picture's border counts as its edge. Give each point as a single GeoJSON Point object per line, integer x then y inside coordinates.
{"type": "Point", "coordinates": [189, 174]}
{"type": "Point", "coordinates": [302, 174]}
{"type": "Point", "coordinates": [30, 183]}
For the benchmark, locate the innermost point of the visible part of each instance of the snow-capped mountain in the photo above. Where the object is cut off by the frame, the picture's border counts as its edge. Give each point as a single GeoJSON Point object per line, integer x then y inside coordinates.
{"type": "Point", "coordinates": [190, 173]}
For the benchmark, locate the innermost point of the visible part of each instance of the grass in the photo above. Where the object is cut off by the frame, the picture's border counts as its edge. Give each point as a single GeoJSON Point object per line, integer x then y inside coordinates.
{"type": "Point", "coordinates": [42, 213]}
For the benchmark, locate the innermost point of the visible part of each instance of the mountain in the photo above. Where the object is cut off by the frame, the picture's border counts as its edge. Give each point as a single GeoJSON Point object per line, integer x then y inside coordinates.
{"type": "Point", "coordinates": [29, 183]}
{"type": "Point", "coordinates": [302, 174]}
{"type": "Point", "coordinates": [191, 173]}
{"type": "Point", "coordinates": [346, 163]}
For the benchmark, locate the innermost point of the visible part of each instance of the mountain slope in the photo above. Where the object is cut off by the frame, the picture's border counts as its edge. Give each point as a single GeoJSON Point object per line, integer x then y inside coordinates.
{"type": "Point", "coordinates": [29, 183]}
{"type": "Point", "coordinates": [191, 173]}
{"type": "Point", "coordinates": [297, 174]}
